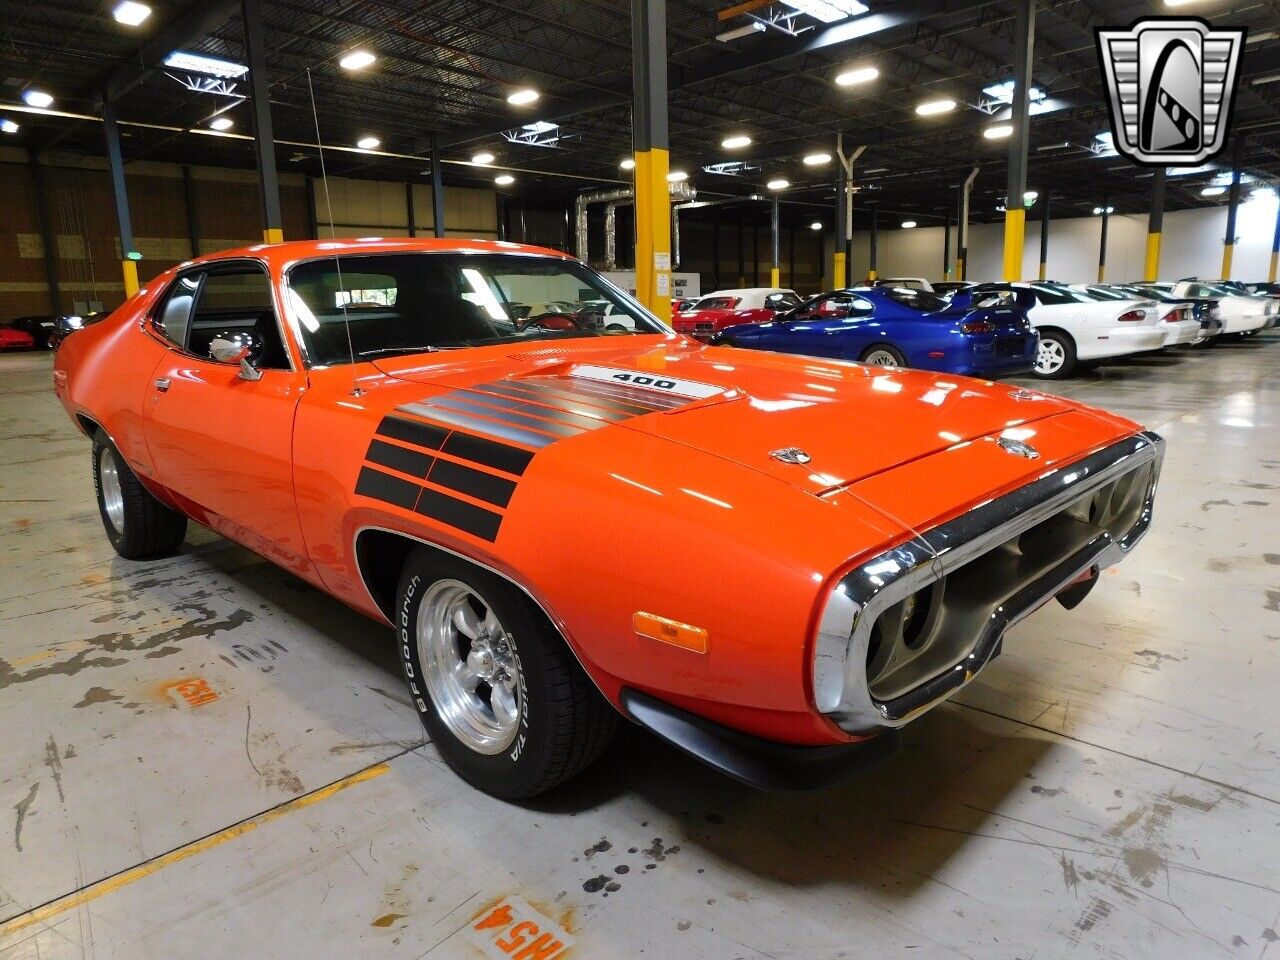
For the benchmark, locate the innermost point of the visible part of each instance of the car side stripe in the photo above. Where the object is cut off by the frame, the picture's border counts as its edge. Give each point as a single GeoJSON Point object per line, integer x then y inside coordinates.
{"type": "Point", "coordinates": [401, 459]}
{"type": "Point", "coordinates": [389, 489]}
{"type": "Point", "coordinates": [413, 431]}
{"type": "Point", "coordinates": [488, 453]}
{"type": "Point", "coordinates": [474, 483]}
{"type": "Point", "coordinates": [478, 425]}
{"type": "Point", "coordinates": [474, 520]}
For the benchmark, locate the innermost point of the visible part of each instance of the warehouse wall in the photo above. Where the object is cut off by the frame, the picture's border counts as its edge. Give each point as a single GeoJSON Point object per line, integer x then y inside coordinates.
{"type": "Point", "coordinates": [1192, 246]}
{"type": "Point", "coordinates": [223, 213]}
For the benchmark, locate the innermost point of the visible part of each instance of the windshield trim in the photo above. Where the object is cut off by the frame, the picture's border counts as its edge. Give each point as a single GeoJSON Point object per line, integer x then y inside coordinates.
{"type": "Point", "coordinates": [285, 306]}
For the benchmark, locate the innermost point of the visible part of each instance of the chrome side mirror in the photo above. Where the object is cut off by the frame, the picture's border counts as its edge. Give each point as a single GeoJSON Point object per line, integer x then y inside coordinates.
{"type": "Point", "coordinates": [226, 350]}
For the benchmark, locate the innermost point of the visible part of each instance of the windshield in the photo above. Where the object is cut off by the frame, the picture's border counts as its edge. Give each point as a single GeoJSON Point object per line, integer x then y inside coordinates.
{"type": "Point", "coordinates": [420, 302]}
{"type": "Point", "coordinates": [920, 300]}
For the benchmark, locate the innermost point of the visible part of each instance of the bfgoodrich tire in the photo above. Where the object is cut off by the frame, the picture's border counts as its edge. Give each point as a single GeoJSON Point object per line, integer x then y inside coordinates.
{"type": "Point", "coordinates": [500, 693]}
{"type": "Point", "coordinates": [138, 525]}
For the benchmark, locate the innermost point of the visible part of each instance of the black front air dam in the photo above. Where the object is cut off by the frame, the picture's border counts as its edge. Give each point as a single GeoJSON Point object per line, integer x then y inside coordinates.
{"type": "Point", "coordinates": [778, 767]}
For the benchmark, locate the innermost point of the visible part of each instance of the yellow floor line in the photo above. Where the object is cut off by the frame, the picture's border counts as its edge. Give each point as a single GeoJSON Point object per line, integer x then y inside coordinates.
{"type": "Point", "coordinates": [133, 874]}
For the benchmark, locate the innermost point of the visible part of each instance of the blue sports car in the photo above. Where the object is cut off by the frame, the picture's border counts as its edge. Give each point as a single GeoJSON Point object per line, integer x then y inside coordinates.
{"type": "Point", "coordinates": [896, 327]}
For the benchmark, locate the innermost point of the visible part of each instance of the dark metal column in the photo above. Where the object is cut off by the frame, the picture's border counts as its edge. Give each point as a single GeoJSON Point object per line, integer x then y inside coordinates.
{"type": "Point", "coordinates": [1044, 239]}
{"type": "Point", "coordinates": [437, 189]}
{"type": "Point", "coordinates": [189, 200]}
{"type": "Point", "coordinates": [310, 186]}
{"type": "Point", "coordinates": [502, 216]}
{"type": "Point", "coordinates": [742, 256]}
{"type": "Point", "coordinates": [1233, 207]}
{"type": "Point", "coordinates": [875, 243]}
{"type": "Point", "coordinates": [1102, 244]}
{"type": "Point", "coordinates": [775, 268]}
{"type": "Point", "coordinates": [128, 256]}
{"type": "Point", "coordinates": [1155, 226]}
{"type": "Point", "coordinates": [651, 143]}
{"type": "Point", "coordinates": [410, 218]}
{"type": "Point", "coordinates": [839, 260]}
{"type": "Point", "coordinates": [264, 147]}
{"type": "Point", "coordinates": [715, 245]}
{"type": "Point", "coordinates": [1015, 216]}
{"type": "Point", "coordinates": [946, 246]}
{"type": "Point", "coordinates": [962, 238]}
{"type": "Point", "coordinates": [46, 234]}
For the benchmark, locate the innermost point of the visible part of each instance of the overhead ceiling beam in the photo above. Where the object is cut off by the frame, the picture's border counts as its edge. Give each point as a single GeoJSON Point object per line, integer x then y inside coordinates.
{"type": "Point", "coordinates": [767, 51]}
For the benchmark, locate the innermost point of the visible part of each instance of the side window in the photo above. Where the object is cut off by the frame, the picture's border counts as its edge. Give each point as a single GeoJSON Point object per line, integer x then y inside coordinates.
{"type": "Point", "coordinates": [174, 317]}
{"type": "Point", "coordinates": [235, 303]}
{"type": "Point", "coordinates": [858, 307]}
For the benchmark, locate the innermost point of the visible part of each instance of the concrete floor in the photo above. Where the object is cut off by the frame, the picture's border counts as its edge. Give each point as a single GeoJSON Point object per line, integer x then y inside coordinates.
{"type": "Point", "coordinates": [202, 757]}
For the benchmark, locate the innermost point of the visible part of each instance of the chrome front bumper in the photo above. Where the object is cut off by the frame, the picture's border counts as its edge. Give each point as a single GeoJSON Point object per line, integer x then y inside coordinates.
{"type": "Point", "coordinates": [842, 689]}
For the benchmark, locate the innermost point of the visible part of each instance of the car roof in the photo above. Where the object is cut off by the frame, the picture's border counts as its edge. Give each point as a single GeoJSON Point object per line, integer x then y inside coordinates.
{"type": "Point", "coordinates": [739, 291]}
{"type": "Point", "coordinates": [282, 254]}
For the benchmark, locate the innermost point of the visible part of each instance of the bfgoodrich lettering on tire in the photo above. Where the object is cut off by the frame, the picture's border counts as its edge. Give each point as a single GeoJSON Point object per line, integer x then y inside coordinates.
{"type": "Point", "coordinates": [501, 695]}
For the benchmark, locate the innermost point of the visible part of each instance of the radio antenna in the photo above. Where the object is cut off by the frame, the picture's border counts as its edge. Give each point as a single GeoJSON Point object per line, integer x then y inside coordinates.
{"type": "Point", "coordinates": [344, 297]}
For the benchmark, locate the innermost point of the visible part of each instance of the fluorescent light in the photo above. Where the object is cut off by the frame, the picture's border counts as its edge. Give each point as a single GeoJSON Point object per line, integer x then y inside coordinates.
{"type": "Point", "coordinates": [131, 13]}
{"type": "Point", "coordinates": [210, 66]}
{"type": "Point", "coordinates": [736, 142]}
{"type": "Point", "coordinates": [828, 11]}
{"type": "Point", "coordinates": [857, 75]}
{"type": "Point", "coordinates": [999, 131]}
{"type": "Point", "coordinates": [1031, 196]}
{"type": "Point", "coordinates": [933, 107]}
{"type": "Point", "coordinates": [504, 179]}
{"type": "Point", "coordinates": [1003, 92]}
{"type": "Point", "coordinates": [677, 176]}
{"type": "Point", "coordinates": [1100, 210]}
{"type": "Point", "coordinates": [221, 123]}
{"type": "Point", "coordinates": [368, 143]}
{"type": "Point", "coordinates": [816, 225]}
{"type": "Point", "coordinates": [357, 60]}
{"type": "Point", "coordinates": [737, 33]}
{"type": "Point", "coordinates": [816, 159]}
{"type": "Point", "coordinates": [523, 97]}
{"type": "Point", "coordinates": [481, 158]}
{"type": "Point", "coordinates": [1213, 191]}
{"type": "Point", "coordinates": [1258, 193]}
{"type": "Point", "coordinates": [778, 184]}
{"type": "Point", "coordinates": [37, 98]}
{"type": "Point", "coordinates": [908, 224]}
{"type": "Point", "coordinates": [8, 126]}
{"type": "Point", "coordinates": [628, 164]}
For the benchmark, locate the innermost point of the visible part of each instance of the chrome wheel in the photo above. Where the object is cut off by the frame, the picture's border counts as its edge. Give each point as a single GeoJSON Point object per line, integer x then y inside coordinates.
{"type": "Point", "coordinates": [881, 358]}
{"type": "Point", "coordinates": [1050, 357]}
{"type": "Point", "coordinates": [109, 484]}
{"type": "Point", "coordinates": [469, 667]}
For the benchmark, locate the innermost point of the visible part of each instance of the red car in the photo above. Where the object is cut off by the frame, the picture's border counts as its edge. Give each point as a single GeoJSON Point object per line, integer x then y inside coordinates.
{"type": "Point", "coordinates": [771, 561]}
{"type": "Point", "coordinates": [13, 339]}
{"type": "Point", "coordinates": [728, 308]}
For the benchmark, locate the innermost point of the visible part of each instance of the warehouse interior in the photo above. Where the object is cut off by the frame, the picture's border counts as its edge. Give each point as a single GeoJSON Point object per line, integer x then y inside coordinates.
{"type": "Point", "coordinates": [205, 756]}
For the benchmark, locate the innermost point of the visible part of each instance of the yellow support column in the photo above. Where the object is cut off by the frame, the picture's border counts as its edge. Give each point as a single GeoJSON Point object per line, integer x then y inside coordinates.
{"type": "Point", "coordinates": [653, 231]}
{"type": "Point", "coordinates": [837, 268]}
{"type": "Point", "coordinates": [129, 270]}
{"type": "Point", "coordinates": [1155, 227]}
{"type": "Point", "coordinates": [1015, 229]}
{"type": "Point", "coordinates": [1151, 265]}
{"type": "Point", "coordinates": [1228, 252]}
{"type": "Point", "coordinates": [273, 235]}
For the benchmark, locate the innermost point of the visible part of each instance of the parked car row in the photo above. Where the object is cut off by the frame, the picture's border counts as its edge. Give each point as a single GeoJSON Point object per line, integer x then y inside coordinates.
{"type": "Point", "coordinates": [983, 329]}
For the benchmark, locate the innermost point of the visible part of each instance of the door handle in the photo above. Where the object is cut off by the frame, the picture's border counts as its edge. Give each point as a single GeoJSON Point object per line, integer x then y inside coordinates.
{"type": "Point", "coordinates": [162, 384]}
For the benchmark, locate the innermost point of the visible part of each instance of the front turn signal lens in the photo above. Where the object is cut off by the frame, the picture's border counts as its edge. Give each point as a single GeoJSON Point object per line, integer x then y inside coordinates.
{"type": "Point", "coordinates": [674, 632]}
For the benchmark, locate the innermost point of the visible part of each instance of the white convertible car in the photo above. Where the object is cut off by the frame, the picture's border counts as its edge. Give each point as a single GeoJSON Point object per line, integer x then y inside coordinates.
{"type": "Point", "coordinates": [1076, 326]}
{"type": "Point", "coordinates": [1239, 313]}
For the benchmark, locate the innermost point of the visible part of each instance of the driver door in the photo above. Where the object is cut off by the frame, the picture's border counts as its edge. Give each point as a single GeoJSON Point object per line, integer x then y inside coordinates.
{"type": "Point", "coordinates": [826, 323]}
{"type": "Point", "coordinates": [221, 442]}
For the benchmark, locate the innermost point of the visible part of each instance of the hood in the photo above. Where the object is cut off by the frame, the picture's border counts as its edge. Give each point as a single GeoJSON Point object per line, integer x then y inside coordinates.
{"type": "Point", "coordinates": [850, 420]}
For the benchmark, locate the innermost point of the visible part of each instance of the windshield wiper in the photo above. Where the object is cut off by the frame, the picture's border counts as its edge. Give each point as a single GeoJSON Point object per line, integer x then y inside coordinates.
{"type": "Point", "coordinates": [381, 350]}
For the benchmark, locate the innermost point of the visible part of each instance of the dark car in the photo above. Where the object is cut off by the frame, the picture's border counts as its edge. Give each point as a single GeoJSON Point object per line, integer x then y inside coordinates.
{"type": "Point", "coordinates": [898, 327]}
{"type": "Point", "coordinates": [40, 329]}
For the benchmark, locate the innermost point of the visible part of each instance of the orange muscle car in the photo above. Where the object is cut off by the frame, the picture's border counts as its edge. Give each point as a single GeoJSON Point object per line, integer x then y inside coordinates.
{"type": "Point", "coordinates": [771, 561]}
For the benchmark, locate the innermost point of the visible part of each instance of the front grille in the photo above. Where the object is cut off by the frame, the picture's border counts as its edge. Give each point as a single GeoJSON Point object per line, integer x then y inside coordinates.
{"type": "Point", "coordinates": [908, 628]}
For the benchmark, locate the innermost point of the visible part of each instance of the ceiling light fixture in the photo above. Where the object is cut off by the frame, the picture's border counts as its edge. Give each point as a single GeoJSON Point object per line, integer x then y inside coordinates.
{"type": "Point", "coordinates": [357, 60]}
{"type": "Point", "coordinates": [931, 108]}
{"type": "Point", "coordinates": [1100, 210]}
{"type": "Point", "coordinates": [368, 143]}
{"type": "Point", "coordinates": [999, 132]}
{"type": "Point", "coordinates": [677, 176]}
{"type": "Point", "coordinates": [628, 164]}
{"type": "Point", "coordinates": [221, 123]}
{"type": "Point", "coordinates": [37, 98]}
{"type": "Point", "coordinates": [737, 33]}
{"type": "Point", "coordinates": [1213, 191]}
{"type": "Point", "coordinates": [521, 98]}
{"type": "Point", "coordinates": [828, 11]}
{"type": "Point", "coordinates": [816, 159]}
{"type": "Point", "coordinates": [778, 184]}
{"type": "Point", "coordinates": [209, 66]}
{"type": "Point", "coordinates": [481, 158]}
{"type": "Point", "coordinates": [857, 75]}
{"type": "Point", "coordinates": [816, 225]}
{"type": "Point", "coordinates": [1030, 197]}
{"type": "Point", "coordinates": [131, 13]}
{"type": "Point", "coordinates": [736, 142]}
{"type": "Point", "coordinates": [908, 224]}
{"type": "Point", "coordinates": [8, 126]}
{"type": "Point", "coordinates": [504, 179]}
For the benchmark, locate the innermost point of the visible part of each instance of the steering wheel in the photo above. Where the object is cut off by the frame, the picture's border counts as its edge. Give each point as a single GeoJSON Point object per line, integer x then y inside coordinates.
{"type": "Point", "coordinates": [554, 321]}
